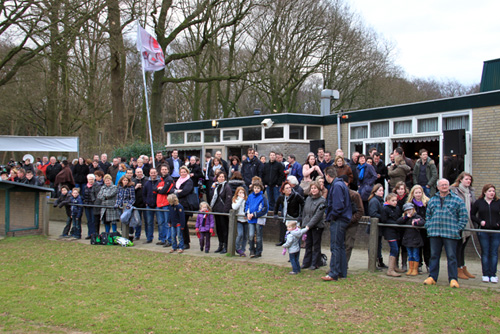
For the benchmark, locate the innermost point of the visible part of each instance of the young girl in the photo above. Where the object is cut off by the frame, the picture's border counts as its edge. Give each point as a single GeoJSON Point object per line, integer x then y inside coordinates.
{"type": "Point", "coordinates": [402, 191]}
{"type": "Point", "coordinates": [76, 213]}
{"type": "Point", "coordinates": [64, 200]}
{"type": "Point", "coordinates": [256, 207]}
{"type": "Point", "coordinates": [204, 226]}
{"type": "Point", "coordinates": [239, 201]}
{"type": "Point", "coordinates": [390, 215]}
{"type": "Point", "coordinates": [126, 198]}
{"type": "Point", "coordinates": [176, 223]}
{"type": "Point", "coordinates": [412, 239]}
{"type": "Point", "coordinates": [292, 243]}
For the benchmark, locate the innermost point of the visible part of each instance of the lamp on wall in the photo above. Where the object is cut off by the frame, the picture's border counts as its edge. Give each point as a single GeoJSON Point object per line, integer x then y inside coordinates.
{"type": "Point", "coordinates": [215, 123]}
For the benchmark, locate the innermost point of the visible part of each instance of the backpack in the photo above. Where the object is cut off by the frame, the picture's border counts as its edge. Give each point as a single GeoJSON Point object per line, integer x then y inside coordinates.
{"type": "Point", "coordinates": [103, 239]}
{"type": "Point", "coordinates": [324, 260]}
{"type": "Point", "coordinates": [94, 239]}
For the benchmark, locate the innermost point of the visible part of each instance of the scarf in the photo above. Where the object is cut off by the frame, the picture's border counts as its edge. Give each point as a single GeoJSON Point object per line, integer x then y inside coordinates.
{"type": "Point", "coordinates": [89, 185]}
{"type": "Point", "coordinates": [181, 180]}
{"type": "Point", "coordinates": [218, 189]}
{"type": "Point", "coordinates": [361, 173]}
{"type": "Point", "coordinates": [418, 203]}
{"type": "Point", "coordinates": [400, 198]}
{"type": "Point", "coordinates": [204, 218]}
{"type": "Point", "coordinates": [466, 192]}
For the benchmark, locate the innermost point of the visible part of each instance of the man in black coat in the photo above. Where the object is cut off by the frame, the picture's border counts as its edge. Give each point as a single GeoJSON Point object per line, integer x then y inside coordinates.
{"type": "Point", "coordinates": [353, 163]}
{"type": "Point", "coordinates": [251, 167]}
{"type": "Point", "coordinates": [139, 183]}
{"type": "Point", "coordinates": [273, 176]}
{"type": "Point", "coordinates": [380, 168]}
{"type": "Point", "coordinates": [51, 172]}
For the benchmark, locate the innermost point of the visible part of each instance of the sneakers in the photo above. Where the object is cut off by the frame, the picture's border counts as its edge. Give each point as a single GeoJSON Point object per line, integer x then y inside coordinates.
{"type": "Point", "coordinates": [430, 281]}
{"type": "Point", "coordinates": [327, 278]}
{"type": "Point", "coordinates": [454, 284]}
{"type": "Point", "coordinates": [494, 279]}
{"type": "Point", "coordinates": [486, 279]}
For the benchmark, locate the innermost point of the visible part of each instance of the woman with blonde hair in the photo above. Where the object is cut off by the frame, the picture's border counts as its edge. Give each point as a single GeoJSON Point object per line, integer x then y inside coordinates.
{"type": "Point", "coordinates": [419, 200]}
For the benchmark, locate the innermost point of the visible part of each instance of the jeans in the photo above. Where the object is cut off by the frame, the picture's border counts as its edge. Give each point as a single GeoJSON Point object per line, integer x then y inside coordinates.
{"type": "Point", "coordinates": [149, 224]}
{"type": "Point", "coordinates": [272, 195]}
{"type": "Point", "coordinates": [77, 227]}
{"type": "Point", "coordinates": [176, 233]}
{"type": "Point", "coordinates": [427, 191]}
{"type": "Point", "coordinates": [450, 247]}
{"type": "Point", "coordinates": [163, 230]}
{"type": "Point", "coordinates": [294, 260]}
{"type": "Point", "coordinates": [413, 253]}
{"type": "Point", "coordinates": [241, 239]}
{"type": "Point", "coordinates": [394, 249]}
{"type": "Point", "coordinates": [350, 238]}
{"type": "Point", "coordinates": [82, 188]}
{"type": "Point", "coordinates": [107, 227]}
{"type": "Point", "coordinates": [89, 213]}
{"type": "Point", "coordinates": [489, 252]}
{"type": "Point", "coordinates": [338, 261]}
{"type": "Point", "coordinates": [67, 226]}
{"type": "Point", "coordinates": [255, 229]}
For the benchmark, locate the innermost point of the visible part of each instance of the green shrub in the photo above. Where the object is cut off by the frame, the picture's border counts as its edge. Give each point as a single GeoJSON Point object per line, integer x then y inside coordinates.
{"type": "Point", "coordinates": [136, 149]}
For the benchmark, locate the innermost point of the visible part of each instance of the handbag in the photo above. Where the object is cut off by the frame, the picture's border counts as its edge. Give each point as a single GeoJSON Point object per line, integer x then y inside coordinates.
{"type": "Point", "coordinates": [192, 200]}
{"type": "Point", "coordinates": [126, 215]}
{"type": "Point", "coordinates": [135, 219]}
{"type": "Point", "coordinates": [305, 186]}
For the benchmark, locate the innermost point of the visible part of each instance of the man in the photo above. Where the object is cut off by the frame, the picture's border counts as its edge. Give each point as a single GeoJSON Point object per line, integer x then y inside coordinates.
{"type": "Point", "coordinates": [294, 168]}
{"type": "Point", "coordinates": [149, 197]}
{"type": "Point", "coordinates": [251, 167]}
{"type": "Point", "coordinates": [353, 163]}
{"type": "Point", "coordinates": [273, 176]}
{"type": "Point", "coordinates": [206, 176]}
{"type": "Point", "coordinates": [139, 182]}
{"type": "Point", "coordinates": [279, 158]}
{"type": "Point", "coordinates": [52, 170]}
{"type": "Point", "coordinates": [159, 160]}
{"type": "Point", "coordinates": [425, 173]}
{"type": "Point", "coordinates": [398, 151]}
{"type": "Point", "coordinates": [174, 163]}
{"type": "Point", "coordinates": [446, 217]}
{"type": "Point", "coordinates": [114, 168]}
{"type": "Point", "coordinates": [357, 212]}
{"type": "Point", "coordinates": [338, 214]}
{"type": "Point", "coordinates": [380, 168]}
{"type": "Point", "coordinates": [104, 164]}
{"type": "Point", "coordinates": [43, 166]}
{"type": "Point", "coordinates": [372, 151]}
{"type": "Point", "coordinates": [165, 187]}
{"type": "Point", "coordinates": [321, 155]}
{"type": "Point", "coordinates": [21, 176]}
{"type": "Point", "coordinates": [327, 162]}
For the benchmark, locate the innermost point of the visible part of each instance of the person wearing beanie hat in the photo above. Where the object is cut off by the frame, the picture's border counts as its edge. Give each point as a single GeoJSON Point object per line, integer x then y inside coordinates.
{"type": "Point", "coordinates": [412, 239]}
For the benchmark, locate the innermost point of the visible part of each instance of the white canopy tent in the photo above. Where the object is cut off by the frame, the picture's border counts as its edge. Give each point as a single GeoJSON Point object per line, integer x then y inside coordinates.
{"type": "Point", "coordinates": [39, 144]}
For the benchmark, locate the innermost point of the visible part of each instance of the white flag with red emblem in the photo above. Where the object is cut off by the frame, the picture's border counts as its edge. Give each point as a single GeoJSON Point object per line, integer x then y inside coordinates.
{"type": "Point", "coordinates": [151, 52]}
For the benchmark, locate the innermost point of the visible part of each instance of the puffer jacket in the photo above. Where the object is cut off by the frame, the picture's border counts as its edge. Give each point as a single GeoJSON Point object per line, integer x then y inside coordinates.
{"type": "Point", "coordinates": [76, 211]}
{"type": "Point", "coordinates": [313, 214]}
{"type": "Point", "coordinates": [293, 240]}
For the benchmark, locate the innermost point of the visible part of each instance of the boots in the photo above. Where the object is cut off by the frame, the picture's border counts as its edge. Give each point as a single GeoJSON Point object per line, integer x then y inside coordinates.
{"type": "Point", "coordinates": [461, 274]}
{"type": "Point", "coordinates": [413, 271]}
{"type": "Point", "coordinates": [381, 263]}
{"type": "Point", "coordinates": [410, 269]}
{"type": "Point", "coordinates": [218, 250]}
{"type": "Point", "coordinates": [224, 249]}
{"type": "Point", "coordinates": [396, 269]}
{"type": "Point", "coordinates": [467, 273]}
{"type": "Point", "coordinates": [392, 266]}
{"type": "Point", "coordinates": [131, 237]}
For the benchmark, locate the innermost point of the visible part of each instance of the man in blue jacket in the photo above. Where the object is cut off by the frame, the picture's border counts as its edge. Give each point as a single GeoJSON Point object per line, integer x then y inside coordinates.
{"type": "Point", "coordinates": [338, 214]}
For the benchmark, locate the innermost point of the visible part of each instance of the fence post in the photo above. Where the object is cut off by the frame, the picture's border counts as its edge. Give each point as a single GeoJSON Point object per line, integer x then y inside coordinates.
{"type": "Point", "coordinates": [373, 245]}
{"type": "Point", "coordinates": [231, 237]}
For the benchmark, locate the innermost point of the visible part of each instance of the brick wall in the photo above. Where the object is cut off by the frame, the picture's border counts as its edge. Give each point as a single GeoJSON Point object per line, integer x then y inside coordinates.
{"type": "Point", "coordinates": [298, 149]}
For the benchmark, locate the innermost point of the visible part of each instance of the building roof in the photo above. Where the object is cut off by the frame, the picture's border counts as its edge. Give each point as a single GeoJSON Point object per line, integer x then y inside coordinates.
{"type": "Point", "coordinates": [490, 79]}
{"type": "Point", "coordinates": [8, 185]}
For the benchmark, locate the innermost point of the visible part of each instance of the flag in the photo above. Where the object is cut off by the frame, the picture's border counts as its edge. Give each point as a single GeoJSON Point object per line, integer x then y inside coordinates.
{"type": "Point", "coordinates": [153, 58]}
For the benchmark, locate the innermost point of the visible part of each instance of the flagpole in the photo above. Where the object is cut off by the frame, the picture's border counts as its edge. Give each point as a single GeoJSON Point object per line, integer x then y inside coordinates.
{"type": "Point", "coordinates": [147, 104]}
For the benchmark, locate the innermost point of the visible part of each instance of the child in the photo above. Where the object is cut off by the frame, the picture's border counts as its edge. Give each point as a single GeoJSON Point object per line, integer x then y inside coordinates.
{"type": "Point", "coordinates": [256, 207]}
{"type": "Point", "coordinates": [390, 215]}
{"type": "Point", "coordinates": [76, 213]}
{"type": "Point", "coordinates": [292, 242]}
{"type": "Point", "coordinates": [412, 238]}
{"type": "Point", "coordinates": [176, 222]}
{"type": "Point", "coordinates": [239, 201]}
{"type": "Point", "coordinates": [64, 200]}
{"type": "Point", "coordinates": [204, 226]}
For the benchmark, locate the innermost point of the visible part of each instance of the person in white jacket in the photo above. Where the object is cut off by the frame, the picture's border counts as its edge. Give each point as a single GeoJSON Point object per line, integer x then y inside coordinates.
{"type": "Point", "coordinates": [238, 204]}
{"type": "Point", "coordinates": [292, 242]}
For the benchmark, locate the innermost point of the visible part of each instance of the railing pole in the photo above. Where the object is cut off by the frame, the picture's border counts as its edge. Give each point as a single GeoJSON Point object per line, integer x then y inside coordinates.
{"type": "Point", "coordinates": [373, 245]}
{"type": "Point", "coordinates": [231, 238]}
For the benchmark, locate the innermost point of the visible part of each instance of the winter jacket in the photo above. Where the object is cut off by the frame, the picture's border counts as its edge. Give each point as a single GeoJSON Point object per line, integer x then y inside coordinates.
{"type": "Point", "coordinates": [113, 171]}
{"type": "Point", "coordinates": [195, 169]}
{"type": "Point", "coordinates": [430, 172]}
{"type": "Point", "coordinates": [76, 211]}
{"type": "Point", "coordinates": [490, 213]}
{"type": "Point", "coordinates": [355, 179]}
{"type": "Point", "coordinates": [381, 169]}
{"type": "Point", "coordinates": [176, 216]}
{"type": "Point", "coordinates": [163, 188]}
{"type": "Point", "coordinates": [204, 222]}
{"type": "Point", "coordinates": [257, 205]}
{"type": "Point", "coordinates": [398, 173]}
{"type": "Point", "coordinates": [293, 240]}
{"type": "Point", "coordinates": [64, 200]}
{"type": "Point", "coordinates": [52, 171]}
{"type": "Point", "coordinates": [412, 237]}
{"type": "Point", "coordinates": [338, 202]}
{"type": "Point", "coordinates": [251, 168]}
{"type": "Point", "coordinates": [273, 174]}
{"type": "Point", "coordinates": [239, 206]}
{"type": "Point", "coordinates": [107, 196]}
{"type": "Point", "coordinates": [65, 177]}
{"type": "Point", "coordinates": [80, 173]}
{"type": "Point", "coordinates": [357, 208]}
{"type": "Point", "coordinates": [313, 212]}
{"type": "Point", "coordinates": [295, 202]}
{"type": "Point", "coordinates": [148, 193]}
{"type": "Point", "coordinates": [125, 197]}
{"type": "Point", "coordinates": [446, 216]}
{"type": "Point", "coordinates": [119, 175]}
{"type": "Point", "coordinates": [234, 184]}
{"type": "Point", "coordinates": [224, 198]}
{"type": "Point", "coordinates": [344, 170]}
{"type": "Point", "coordinates": [390, 215]}
{"type": "Point", "coordinates": [366, 184]}
{"type": "Point", "coordinates": [183, 192]}
{"type": "Point", "coordinates": [295, 170]}
{"type": "Point", "coordinates": [90, 194]}
{"type": "Point", "coordinates": [139, 192]}
{"type": "Point", "coordinates": [375, 207]}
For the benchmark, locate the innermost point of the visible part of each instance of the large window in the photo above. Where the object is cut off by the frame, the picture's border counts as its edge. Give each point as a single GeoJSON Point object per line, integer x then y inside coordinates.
{"type": "Point", "coordinates": [176, 138]}
{"type": "Point", "coordinates": [379, 129]}
{"type": "Point", "coordinates": [194, 137]}
{"type": "Point", "coordinates": [313, 132]}
{"type": "Point", "coordinates": [228, 135]}
{"type": "Point", "coordinates": [402, 127]}
{"type": "Point", "coordinates": [252, 134]}
{"type": "Point", "coordinates": [359, 132]}
{"type": "Point", "coordinates": [427, 125]}
{"type": "Point", "coordinates": [212, 136]}
{"type": "Point", "coordinates": [296, 132]}
{"type": "Point", "coordinates": [274, 133]}
{"type": "Point", "coordinates": [456, 123]}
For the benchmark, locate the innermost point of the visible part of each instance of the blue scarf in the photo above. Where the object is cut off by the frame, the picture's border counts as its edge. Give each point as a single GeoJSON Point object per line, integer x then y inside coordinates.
{"type": "Point", "coordinates": [361, 173]}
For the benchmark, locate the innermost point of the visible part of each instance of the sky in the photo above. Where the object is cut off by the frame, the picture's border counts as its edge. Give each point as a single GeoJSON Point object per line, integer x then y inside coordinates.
{"type": "Point", "coordinates": [441, 39]}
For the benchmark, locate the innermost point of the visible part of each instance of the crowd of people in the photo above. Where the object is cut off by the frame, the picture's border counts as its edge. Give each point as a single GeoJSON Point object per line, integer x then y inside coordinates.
{"type": "Point", "coordinates": [327, 191]}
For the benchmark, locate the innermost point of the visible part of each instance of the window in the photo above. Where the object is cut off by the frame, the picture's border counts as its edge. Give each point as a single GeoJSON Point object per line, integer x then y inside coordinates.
{"type": "Point", "coordinates": [427, 125]}
{"type": "Point", "coordinates": [230, 135]}
{"type": "Point", "coordinates": [456, 123]}
{"type": "Point", "coordinates": [313, 132]}
{"type": "Point", "coordinates": [359, 132]}
{"type": "Point", "coordinates": [296, 132]}
{"type": "Point", "coordinates": [402, 127]}
{"type": "Point", "coordinates": [194, 137]}
{"type": "Point", "coordinates": [379, 129]}
{"type": "Point", "coordinates": [212, 136]}
{"type": "Point", "coordinates": [176, 138]}
{"type": "Point", "coordinates": [252, 134]}
{"type": "Point", "coordinates": [274, 133]}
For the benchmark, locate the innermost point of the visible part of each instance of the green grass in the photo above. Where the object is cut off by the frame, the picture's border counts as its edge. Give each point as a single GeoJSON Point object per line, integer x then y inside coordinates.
{"type": "Point", "coordinates": [60, 287]}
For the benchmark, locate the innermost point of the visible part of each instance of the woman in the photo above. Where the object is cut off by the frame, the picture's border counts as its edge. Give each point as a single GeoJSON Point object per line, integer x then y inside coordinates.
{"type": "Point", "coordinates": [80, 172]}
{"type": "Point", "coordinates": [290, 203]}
{"type": "Point", "coordinates": [310, 171]}
{"type": "Point", "coordinates": [376, 202]}
{"type": "Point", "coordinates": [366, 179]}
{"type": "Point", "coordinates": [196, 174]}
{"type": "Point", "coordinates": [419, 200]}
{"type": "Point", "coordinates": [126, 199]}
{"type": "Point", "coordinates": [312, 217]}
{"type": "Point", "coordinates": [342, 168]}
{"type": "Point", "coordinates": [463, 189]}
{"type": "Point", "coordinates": [221, 202]}
{"type": "Point", "coordinates": [215, 166]}
{"type": "Point", "coordinates": [107, 196]}
{"type": "Point", "coordinates": [91, 190]}
{"type": "Point", "coordinates": [184, 187]}
{"type": "Point", "coordinates": [236, 181]}
{"type": "Point", "coordinates": [322, 189]}
{"type": "Point", "coordinates": [397, 172]}
{"type": "Point", "coordinates": [485, 213]}
{"type": "Point", "coordinates": [235, 166]}
{"type": "Point", "coordinates": [402, 195]}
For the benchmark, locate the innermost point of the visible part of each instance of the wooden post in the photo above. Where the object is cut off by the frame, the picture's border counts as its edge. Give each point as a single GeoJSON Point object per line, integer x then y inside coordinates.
{"type": "Point", "coordinates": [231, 237]}
{"type": "Point", "coordinates": [373, 245]}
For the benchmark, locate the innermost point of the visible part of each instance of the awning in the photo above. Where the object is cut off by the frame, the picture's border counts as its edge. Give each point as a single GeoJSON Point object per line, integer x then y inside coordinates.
{"type": "Point", "coordinates": [417, 139]}
{"type": "Point", "coordinates": [38, 144]}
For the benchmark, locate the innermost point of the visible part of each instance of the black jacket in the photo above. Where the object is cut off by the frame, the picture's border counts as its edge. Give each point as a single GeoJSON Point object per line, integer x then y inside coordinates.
{"type": "Point", "coordinates": [195, 169]}
{"type": "Point", "coordinates": [224, 199]}
{"type": "Point", "coordinates": [490, 213]}
{"type": "Point", "coordinates": [390, 215]}
{"type": "Point", "coordinates": [52, 171]}
{"type": "Point", "coordinates": [251, 168]}
{"type": "Point", "coordinates": [412, 237]}
{"type": "Point", "coordinates": [273, 174]}
{"type": "Point", "coordinates": [294, 206]}
{"type": "Point", "coordinates": [139, 192]}
{"type": "Point", "coordinates": [80, 173]}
